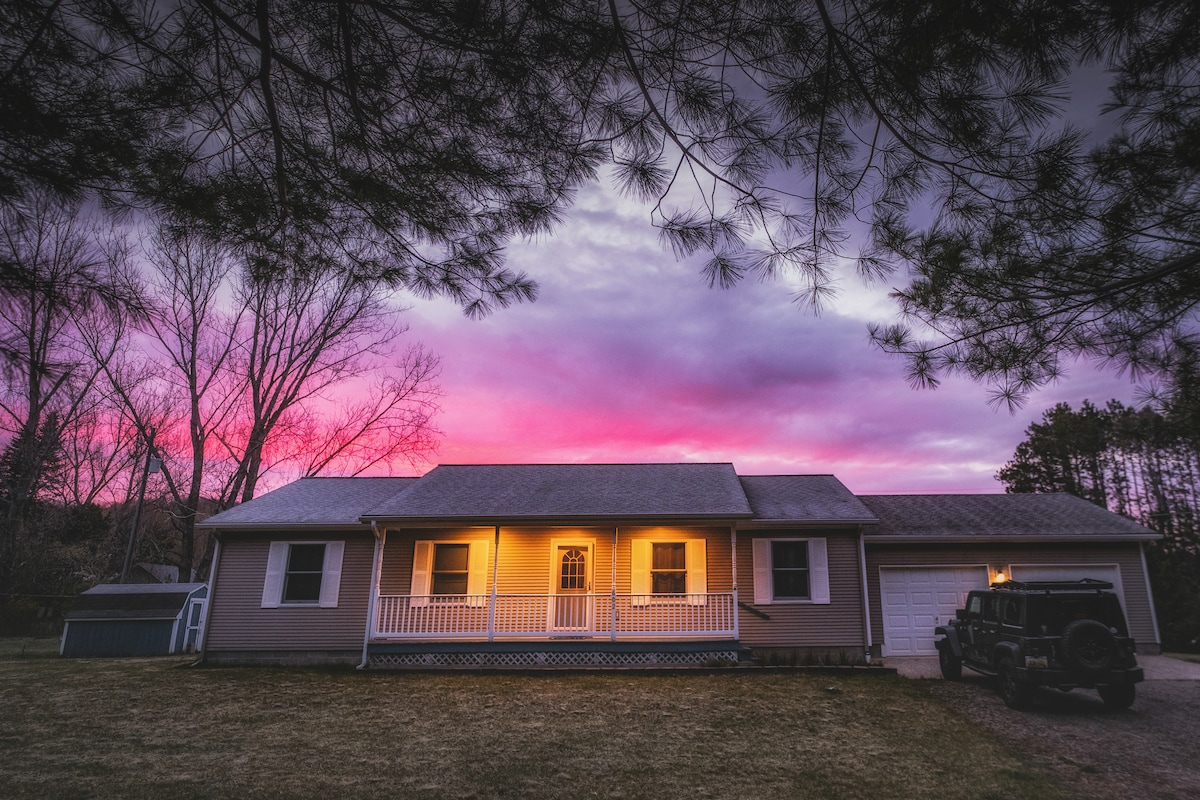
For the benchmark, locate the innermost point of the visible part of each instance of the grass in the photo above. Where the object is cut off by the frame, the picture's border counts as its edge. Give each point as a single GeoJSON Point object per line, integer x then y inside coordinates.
{"type": "Point", "coordinates": [1192, 657]}
{"type": "Point", "coordinates": [153, 728]}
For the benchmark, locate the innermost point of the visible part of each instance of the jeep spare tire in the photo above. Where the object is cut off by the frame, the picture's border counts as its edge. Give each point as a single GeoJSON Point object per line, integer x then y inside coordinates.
{"type": "Point", "coordinates": [1087, 644]}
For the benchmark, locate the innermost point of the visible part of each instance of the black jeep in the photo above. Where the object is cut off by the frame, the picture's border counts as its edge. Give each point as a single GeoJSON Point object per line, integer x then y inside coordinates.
{"type": "Point", "coordinates": [1060, 634]}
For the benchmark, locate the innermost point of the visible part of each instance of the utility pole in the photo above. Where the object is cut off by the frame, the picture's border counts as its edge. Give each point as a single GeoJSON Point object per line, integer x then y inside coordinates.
{"type": "Point", "coordinates": [153, 464]}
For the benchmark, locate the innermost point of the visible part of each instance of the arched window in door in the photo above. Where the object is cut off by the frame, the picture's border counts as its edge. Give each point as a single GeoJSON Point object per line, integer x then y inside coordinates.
{"type": "Point", "coordinates": [573, 568]}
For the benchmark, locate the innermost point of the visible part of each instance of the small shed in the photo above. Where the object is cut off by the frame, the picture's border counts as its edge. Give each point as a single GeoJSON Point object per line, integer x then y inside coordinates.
{"type": "Point", "coordinates": [135, 620]}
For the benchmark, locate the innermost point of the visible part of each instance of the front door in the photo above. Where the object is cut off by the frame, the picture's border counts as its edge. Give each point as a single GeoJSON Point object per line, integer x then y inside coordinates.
{"type": "Point", "coordinates": [571, 580]}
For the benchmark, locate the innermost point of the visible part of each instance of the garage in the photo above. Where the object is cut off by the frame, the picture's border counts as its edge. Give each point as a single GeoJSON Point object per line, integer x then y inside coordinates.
{"type": "Point", "coordinates": [917, 599]}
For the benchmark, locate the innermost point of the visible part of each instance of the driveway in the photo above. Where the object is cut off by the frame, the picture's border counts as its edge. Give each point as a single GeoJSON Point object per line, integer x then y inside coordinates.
{"type": "Point", "coordinates": [1148, 751]}
{"type": "Point", "coordinates": [1157, 668]}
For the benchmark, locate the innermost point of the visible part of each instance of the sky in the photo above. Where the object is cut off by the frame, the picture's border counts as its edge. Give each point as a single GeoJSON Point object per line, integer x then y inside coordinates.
{"type": "Point", "coordinates": [627, 356]}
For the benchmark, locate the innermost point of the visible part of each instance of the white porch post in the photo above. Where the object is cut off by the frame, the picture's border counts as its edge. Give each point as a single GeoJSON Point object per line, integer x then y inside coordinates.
{"type": "Point", "coordinates": [612, 611]}
{"type": "Point", "coordinates": [733, 547]}
{"type": "Point", "coordinates": [491, 630]}
{"type": "Point", "coordinates": [372, 625]}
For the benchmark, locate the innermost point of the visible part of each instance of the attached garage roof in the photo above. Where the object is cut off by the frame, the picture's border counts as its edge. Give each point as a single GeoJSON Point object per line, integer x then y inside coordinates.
{"type": "Point", "coordinates": [1014, 517]}
{"type": "Point", "coordinates": [132, 601]}
{"type": "Point", "coordinates": [569, 491]}
{"type": "Point", "coordinates": [803, 499]}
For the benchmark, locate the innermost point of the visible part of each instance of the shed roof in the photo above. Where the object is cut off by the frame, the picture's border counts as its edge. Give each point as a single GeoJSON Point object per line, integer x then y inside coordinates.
{"type": "Point", "coordinates": [133, 601]}
{"type": "Point", "coordinates": [808, 499]}
{"type": "Point", "coordinates": [311, 502]}
{"type": "Point", "coordinates": [943, 517]}
{"type": "Point", "coordinates": [566, 491]}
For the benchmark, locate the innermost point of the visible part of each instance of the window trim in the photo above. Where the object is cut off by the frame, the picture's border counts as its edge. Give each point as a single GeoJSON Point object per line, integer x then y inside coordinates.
{"type": "Point", "coordinates": [818, 571]}
{"type": "Point", "coordinates": [420, 586]}
{"type": "Point", "coordinates": [278, 556]}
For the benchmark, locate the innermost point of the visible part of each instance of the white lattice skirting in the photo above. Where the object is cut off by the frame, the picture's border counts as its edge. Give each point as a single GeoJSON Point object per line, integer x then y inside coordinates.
{"type": "Point", "coordinates": [534, 659]}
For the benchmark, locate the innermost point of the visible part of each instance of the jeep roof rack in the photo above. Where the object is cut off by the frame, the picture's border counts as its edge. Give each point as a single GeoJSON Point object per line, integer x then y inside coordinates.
{"type": "Point", "coordinates": [1082, 585]}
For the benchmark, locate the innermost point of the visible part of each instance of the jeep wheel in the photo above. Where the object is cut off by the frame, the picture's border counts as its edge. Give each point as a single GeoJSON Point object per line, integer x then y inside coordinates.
{"type": "Point", "coordinates": [951, 664]}
{"type": "Point", "coordinates": [1088, 645]}
{"type": "Point", "coordinates": [1016, 693]}
{"type": "Point", "coordinates": [1118, 697]}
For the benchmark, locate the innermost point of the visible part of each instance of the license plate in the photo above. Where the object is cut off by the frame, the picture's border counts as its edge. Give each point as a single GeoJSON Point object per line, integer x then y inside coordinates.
{"type": "Point", "coordinates": [1036, 662]}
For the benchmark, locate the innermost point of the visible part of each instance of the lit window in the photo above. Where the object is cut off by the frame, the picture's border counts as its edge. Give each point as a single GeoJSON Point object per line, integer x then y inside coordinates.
{"type": "Point", "coordinates": [451, 568]}
{"type": "Point", "coordinates": [454, 572]}
{"type": "Point", "coordinates": [668, 568]}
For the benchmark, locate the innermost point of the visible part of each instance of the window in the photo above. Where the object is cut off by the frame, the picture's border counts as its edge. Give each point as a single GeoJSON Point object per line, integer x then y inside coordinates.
{"type": "Point", "coordinates": [790, 571]}
{"type": "Point", "coordinates": [302, 581]}
{"type": "Point", "coordinates": [456, 571]}
{"type": "Point", "coordinates": [678, 568]}
{"type": "Point", "coordinates": [451, 569]}
{"type": "Point", "coordinates": [303, 574]}
{"type": "Point", "coordinates": [668, 568]}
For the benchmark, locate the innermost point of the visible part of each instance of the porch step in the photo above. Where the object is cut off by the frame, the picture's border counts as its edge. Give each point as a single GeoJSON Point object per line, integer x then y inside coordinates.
{"type": "Point", "coordinates": [555, 654]}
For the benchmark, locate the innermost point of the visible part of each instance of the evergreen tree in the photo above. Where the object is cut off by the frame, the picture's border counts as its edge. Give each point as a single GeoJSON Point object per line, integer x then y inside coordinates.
{"type": "Point", "coordinates": [1139, 463]}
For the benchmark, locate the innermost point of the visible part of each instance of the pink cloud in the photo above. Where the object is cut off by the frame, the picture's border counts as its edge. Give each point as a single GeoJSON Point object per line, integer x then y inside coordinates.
{"type": "Point", "coordinates": [628, 356]}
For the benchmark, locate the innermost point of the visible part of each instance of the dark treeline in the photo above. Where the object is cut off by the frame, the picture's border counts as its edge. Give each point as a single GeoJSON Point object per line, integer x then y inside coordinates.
{"type": "Point", "coordinates": [1139, 462]}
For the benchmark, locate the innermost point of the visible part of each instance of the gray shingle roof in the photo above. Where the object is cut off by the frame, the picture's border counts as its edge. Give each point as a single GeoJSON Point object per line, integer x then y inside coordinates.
{"type": "Point", "coordinates": [560, 491]}
{"type": "Point", "coordinates": [312, 502]}
{"type": "Point", "coordinates": [803, 499]}
{"type": "Point", "coordinates": [997, 516]}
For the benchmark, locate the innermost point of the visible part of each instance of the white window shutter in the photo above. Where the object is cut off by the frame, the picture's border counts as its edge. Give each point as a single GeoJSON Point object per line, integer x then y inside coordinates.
{"type": "Point", "coordinates": [639, 571]}
{"type": "Point", "coordinates": [763, 586]}
{"type": "Point", "coordinates": [818, 571]}
{"type": "Point", "coordinates": [697, 571]}
{"type": "Point", "coordinates": [477, 562]}
{"type": "Point", "coordinates": [422, 568]}
{"type": "Point", "coordinates": [276, 567]}
{"type": "Point", "coordinates": [331, 577]}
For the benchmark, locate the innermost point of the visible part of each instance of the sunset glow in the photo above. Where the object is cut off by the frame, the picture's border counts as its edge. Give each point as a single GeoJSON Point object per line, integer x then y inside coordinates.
{"type": "Point", "coordinates": [627, 356]}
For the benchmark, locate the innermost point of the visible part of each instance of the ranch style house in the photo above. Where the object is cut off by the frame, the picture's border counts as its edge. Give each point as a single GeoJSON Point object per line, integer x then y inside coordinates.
{"type": "Point", "coordinates": [530, 565]}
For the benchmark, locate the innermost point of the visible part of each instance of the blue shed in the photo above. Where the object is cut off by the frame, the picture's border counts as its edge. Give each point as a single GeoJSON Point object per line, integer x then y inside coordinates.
{"type": "Point", "coordinates": [135, 620]}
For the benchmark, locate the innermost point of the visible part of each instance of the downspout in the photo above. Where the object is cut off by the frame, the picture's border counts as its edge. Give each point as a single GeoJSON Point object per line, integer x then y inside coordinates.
{"type": "Point", "coordinates": [737, 627]}
{"type": "Point", "coordinates": [373, 598]}
{"type": "Point", "coordinates": [202, 635]}
{"type": "Point", "coordinates": [491, 630]}
{"type": "Point", "coordinates": [614, 615]}
{"type": "Point", "coordinates": [866, 598]}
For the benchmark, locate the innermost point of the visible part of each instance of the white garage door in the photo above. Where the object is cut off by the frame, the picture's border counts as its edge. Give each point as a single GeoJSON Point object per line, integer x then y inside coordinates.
{"type": "Point", "coordinates": [1070, 572]}
{"type": "Point", "coordinates": [917, 599]}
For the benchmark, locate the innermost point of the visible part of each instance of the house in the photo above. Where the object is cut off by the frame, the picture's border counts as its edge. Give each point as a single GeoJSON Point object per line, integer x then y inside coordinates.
{"type": "Point", "coordinates": [134, 619]}
{"type": "Point", "coordinates": [630, 564]}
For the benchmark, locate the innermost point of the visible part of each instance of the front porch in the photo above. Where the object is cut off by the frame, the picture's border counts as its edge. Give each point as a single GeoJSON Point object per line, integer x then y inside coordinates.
{"type": "Point", "coordinates": [553, 596]}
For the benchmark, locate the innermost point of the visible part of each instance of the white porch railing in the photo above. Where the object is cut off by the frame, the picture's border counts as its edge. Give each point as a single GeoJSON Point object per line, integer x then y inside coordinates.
{"type": "Point", "coordinates": [524, 615]}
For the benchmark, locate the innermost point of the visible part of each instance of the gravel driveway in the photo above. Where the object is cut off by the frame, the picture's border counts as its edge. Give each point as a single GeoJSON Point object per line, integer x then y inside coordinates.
{"type": "Point", "coordinates": [1149, 751]}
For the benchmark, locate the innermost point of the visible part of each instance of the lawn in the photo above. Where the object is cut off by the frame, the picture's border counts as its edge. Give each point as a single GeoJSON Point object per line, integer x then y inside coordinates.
{"type": "Point", "coordinates": [158, 728]}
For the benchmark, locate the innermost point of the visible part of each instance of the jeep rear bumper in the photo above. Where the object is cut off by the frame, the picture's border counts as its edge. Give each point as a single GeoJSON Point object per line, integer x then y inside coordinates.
{"type": "Point", "coordinates": [1052, 677]}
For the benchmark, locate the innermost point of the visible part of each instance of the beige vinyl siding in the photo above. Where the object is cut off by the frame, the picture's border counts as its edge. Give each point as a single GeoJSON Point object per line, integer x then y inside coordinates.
{"type": "Point", "coordinates": [836, 625]}
{"type": "Point", "coordinates": [238, 622]}
{"type": "Point", "coordinates": [1127, 556]}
